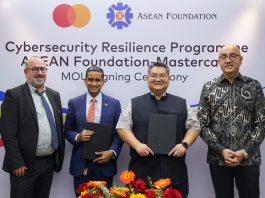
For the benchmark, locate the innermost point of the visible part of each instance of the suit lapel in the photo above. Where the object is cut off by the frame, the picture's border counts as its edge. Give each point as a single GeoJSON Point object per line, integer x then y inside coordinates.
{"type": "Point", "coordinates": [29, 98]}
{"type": "Point", "coordinates": [56, 110]}
{"type": "Point", "coordinates": [104, 108]}
{"type": "Point", "coordinates": [83, 107]}
{"type": "Point", "coordinates": [52, 101]}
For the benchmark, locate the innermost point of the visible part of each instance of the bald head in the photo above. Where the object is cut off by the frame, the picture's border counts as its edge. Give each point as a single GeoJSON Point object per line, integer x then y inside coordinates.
{"type": "Point", "coordinates": [230, 48]}
{"type": "Point", "coordinates": [34, 59]}
{"type": "Point", "coordinates": [230, 60]}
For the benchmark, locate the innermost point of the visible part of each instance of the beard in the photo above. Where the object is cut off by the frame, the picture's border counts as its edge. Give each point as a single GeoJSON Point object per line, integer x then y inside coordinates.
{"type": "Point", "coordinates": [38, 82]}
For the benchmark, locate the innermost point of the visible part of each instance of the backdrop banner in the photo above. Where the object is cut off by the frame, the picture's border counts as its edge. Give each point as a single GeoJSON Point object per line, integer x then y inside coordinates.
{"type": "Point", "coordinates": [124, 38]}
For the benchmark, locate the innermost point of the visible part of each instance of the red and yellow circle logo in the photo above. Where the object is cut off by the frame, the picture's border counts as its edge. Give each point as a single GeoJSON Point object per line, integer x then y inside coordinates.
{"type": "Point", "coordinates": [77, 15]}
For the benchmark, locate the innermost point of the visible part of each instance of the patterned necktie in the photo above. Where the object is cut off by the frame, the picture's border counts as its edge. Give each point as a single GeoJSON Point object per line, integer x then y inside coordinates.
{"type": "Point", "coordinates": [91, 112]}
{"type": "Point", "coordinates": [50, 119]}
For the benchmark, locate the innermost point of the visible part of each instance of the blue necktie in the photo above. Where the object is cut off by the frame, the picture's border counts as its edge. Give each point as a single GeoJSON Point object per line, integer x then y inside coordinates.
{"type": "Point", "coordinates": [50, 119]}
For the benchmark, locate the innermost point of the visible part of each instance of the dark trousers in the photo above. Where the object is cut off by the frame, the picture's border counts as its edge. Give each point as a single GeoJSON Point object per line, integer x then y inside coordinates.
{"type": "Point", "coordinates": [35, 183]}
{"type": "Point", "coordinates": [93, 174]}
{"type": "Point", "coordinates": [246, 179]}
{"type": "Point", "coordinates": [183, 188]}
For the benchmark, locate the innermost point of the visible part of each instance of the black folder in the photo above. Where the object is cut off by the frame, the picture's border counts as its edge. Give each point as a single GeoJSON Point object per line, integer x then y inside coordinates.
{"type": "Point", "coordinates": [100, 141]}
{"type": "Point", "coordinates": [162, 133]}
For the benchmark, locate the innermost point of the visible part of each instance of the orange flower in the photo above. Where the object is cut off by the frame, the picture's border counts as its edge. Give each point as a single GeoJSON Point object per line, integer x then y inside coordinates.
{"type": "Point", "coordinates": [83, 194]}
{"type": "Point", "coordinates": [127, 176]}
{"type": "Point", "coordinates": [96, 183]}
{"type": "Point", "coordinates": [162, 183]}
{"type": "Point", "coordinates": [118, 193]}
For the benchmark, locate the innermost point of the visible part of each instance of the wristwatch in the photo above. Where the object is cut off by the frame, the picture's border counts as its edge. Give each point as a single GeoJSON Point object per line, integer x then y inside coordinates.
{"type": "Point", "coordinates": [185, 145]}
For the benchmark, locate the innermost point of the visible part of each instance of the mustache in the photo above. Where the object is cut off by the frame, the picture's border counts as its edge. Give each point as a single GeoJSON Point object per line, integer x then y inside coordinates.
{"type": "Point", "coordinates": [39, 76]}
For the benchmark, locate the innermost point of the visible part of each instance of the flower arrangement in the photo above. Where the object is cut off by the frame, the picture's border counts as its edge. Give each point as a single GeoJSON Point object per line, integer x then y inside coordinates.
{"type": "Point", "coordinates": [134, 188]}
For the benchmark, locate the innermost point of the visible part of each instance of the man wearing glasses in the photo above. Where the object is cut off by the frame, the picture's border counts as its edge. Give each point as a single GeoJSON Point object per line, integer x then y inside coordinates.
{"type": "Point", "coordinates": [32, 131]}
{"type": "Point", "coordinates": [232, 119]}
{"type": "Point", "coordinates": [133, 129]}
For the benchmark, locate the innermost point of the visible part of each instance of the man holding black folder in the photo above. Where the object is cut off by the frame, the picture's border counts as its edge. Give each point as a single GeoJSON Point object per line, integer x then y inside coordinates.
{"type": "Point", "coordinates": [93, 111]}
{"type": "Point", "coordinates": [142, 114]}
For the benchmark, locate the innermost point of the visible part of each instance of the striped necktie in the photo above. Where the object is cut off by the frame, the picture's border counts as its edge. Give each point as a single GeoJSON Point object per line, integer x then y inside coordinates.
{"type": "Point", "coordinates": [91, 112]}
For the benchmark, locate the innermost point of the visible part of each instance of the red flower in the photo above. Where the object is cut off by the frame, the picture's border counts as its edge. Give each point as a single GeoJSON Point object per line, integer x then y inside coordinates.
{"type": "Point", "coordinates": [171, 193]}
{"type": "Point", "coordinates": [81, 188]}
{"type": "Point", "coordinates": [150, 193]}
{"type": "Point", "coordinates": [94, 195]}
{"type": "Point", "coordinates": [139, 185]}
{"type": "Point", "coordinates": [87, 195]}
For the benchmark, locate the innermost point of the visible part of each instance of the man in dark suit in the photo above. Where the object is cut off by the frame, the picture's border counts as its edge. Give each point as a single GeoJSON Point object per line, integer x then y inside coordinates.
{"type": "Point", "coordinates": [28, 134]}
{"type": "Point", "coordinates": [107, 111]}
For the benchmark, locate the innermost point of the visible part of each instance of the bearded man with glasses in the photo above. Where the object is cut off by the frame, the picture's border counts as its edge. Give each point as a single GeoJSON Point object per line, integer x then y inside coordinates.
{"type": "Point", "coordinates": [232, 119]}
{"type": "Point", "coordinates": [32, 130]}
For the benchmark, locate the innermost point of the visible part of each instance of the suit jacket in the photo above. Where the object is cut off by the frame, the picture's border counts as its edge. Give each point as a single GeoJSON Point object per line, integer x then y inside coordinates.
{"type": "Point", "coordinates": [76, 122]}
{"type": "Point", "coordinates": [20, 130]}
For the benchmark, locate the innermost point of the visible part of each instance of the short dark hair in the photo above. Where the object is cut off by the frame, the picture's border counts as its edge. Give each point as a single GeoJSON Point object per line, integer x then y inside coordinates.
{"type": "Point", "coordinates": [158, 64]}
{"type": "Point", "coordinates": [95, 68]}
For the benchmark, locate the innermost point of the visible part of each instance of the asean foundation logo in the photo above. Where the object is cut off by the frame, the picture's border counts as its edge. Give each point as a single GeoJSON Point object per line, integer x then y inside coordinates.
{"type": "Point", "coordinates": [77, 15]}
{"type": "Point", "coordinates": [120, 15]}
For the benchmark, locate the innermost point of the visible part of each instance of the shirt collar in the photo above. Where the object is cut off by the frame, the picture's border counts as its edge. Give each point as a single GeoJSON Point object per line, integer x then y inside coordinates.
{"type": "Point", "coordinates": [223, 78]}
{"type": "Point", "coordinates": [98, 98]}
{"type": "Point", "coordinates": [163, 96]}
{"type": "Point", "coordinates": [33, 89]}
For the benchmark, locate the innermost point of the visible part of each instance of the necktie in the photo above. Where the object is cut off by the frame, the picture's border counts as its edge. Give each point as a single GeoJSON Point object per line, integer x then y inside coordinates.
{"type": "Point", "coordinates": [50, 119]}
{"type": "Point", "coordinates": [90, 118]}
{"type": "Point", "coordinates": [91, 112]}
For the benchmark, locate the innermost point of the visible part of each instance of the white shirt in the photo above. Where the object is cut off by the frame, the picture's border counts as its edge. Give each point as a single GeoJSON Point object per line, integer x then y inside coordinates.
{"type": "Point", "coordinates": [44, 146]}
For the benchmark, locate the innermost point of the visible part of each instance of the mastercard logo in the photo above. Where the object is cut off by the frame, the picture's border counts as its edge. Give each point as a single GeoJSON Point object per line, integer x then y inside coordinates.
{"type": "Point", "coordinates": [77, 15]}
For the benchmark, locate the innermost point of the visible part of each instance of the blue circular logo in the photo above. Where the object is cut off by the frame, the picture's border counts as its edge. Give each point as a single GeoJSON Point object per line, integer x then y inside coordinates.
{"type": "Point", "coordinates": [120, 15]}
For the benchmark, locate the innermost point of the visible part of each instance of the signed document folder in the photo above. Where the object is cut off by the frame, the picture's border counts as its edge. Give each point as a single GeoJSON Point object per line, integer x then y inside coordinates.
{"type": "Point", "coordinates": [162, 133]}
{"type": "Point", "coordinates": [100, 141]}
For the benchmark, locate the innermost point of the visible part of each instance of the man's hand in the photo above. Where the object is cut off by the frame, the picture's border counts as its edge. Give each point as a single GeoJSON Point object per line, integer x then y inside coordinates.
{"type": "Point", "coordinates": [178, 151]}
{"type": "Point", "coordinates": [105, 157]}
{"type": "Point", "coordinates": [85, 135]}
{"type": "Point", "coordinates": [19, 172]}
{"type": "Point", "coordinates": [229, 158]}
{"type": "Point", "coordinates": [239, 155]}
{"type": "Point", "coordinates": [143, 150]}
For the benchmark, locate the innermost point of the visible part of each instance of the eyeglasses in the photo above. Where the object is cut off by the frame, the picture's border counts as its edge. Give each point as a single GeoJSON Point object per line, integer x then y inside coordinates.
{"type": "Point", "coordinates": [232, 57]}
{"type": "Point", "coordinates": [37, 69]}
{"type": "Point", "coordinates": [161, 77]}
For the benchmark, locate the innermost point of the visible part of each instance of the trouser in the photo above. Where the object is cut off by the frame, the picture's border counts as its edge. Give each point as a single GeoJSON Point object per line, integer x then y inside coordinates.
{"type": "Point", "coordinates": [35, 183]}
{"type": "Point", "coordinates": [93, 174]}
{"type": "Point", "coordinates": [246, 179]}
{"type": "Point", "coordinates": [183, 188]}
